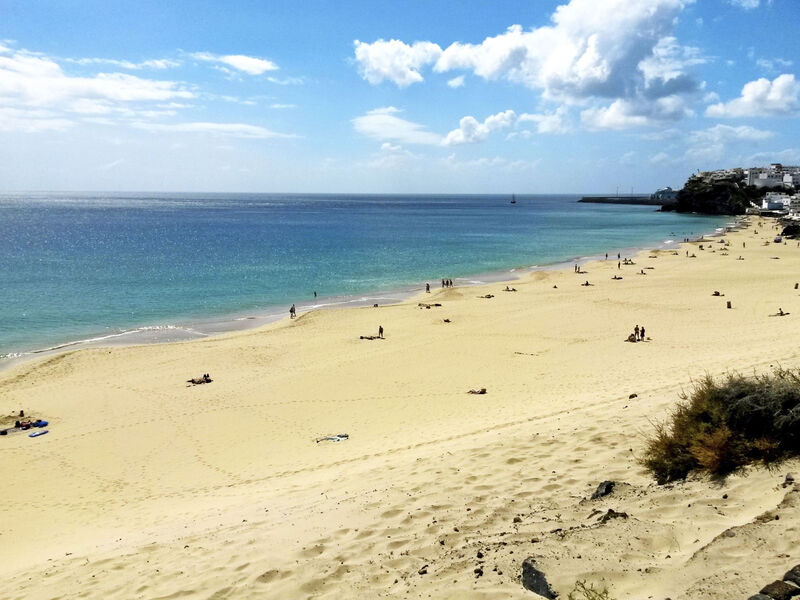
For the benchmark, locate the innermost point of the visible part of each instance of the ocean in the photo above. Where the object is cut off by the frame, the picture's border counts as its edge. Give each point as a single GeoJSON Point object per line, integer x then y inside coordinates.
{"type": "Point", "coordinates": [137, 267]}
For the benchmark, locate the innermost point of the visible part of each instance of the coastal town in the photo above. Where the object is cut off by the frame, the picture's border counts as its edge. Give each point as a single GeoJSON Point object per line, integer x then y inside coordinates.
{"type": "Point", "coordinates": [782, 183]}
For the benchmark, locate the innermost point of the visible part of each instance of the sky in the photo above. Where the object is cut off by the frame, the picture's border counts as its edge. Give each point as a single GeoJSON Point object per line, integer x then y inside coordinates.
{"type": "Point", "coordinates": [413, 96]}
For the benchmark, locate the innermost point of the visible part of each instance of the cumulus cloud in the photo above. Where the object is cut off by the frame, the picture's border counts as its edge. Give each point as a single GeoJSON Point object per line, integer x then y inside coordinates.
{"type": "Point", "coordinates": [236, 130]}
{"type": "Point", "coordinates": [762, 97]}
{"type": "Point", "coordinates": [612, 49]}
{"type": "Point", "coordinates": [246, 64]}
{"type": "Point", "coordinates": [470, 130]}
{"type": "Point", "coordinates": [383, 124]}
{"type": "Point", "coordinates": [394, 60]}
{"type": "Point", "coordinates": [629, 114]}
{"type": "Point", "coordinates": [456, 82]}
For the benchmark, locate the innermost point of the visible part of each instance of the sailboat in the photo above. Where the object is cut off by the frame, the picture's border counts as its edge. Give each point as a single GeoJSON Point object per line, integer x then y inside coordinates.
{"type": "Point", "coordinates": [513, 199]}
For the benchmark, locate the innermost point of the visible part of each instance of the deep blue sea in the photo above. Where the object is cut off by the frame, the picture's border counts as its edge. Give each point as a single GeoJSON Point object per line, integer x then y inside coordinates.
{"type": "Point", "coordinates": [133, 267]}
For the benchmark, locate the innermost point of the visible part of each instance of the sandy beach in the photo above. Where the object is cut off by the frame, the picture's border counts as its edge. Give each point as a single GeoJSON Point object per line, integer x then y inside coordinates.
{"type": "Point", "coordinates": [146, 487]}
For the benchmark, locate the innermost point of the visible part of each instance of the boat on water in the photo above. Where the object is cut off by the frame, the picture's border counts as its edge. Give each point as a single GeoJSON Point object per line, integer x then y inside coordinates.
{"type": "Point", "coordinates": [513, 199]}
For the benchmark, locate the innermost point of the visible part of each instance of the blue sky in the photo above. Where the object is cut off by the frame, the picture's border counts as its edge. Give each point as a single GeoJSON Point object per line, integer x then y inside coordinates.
{"type": "Point", "coordinates": [435, 96]}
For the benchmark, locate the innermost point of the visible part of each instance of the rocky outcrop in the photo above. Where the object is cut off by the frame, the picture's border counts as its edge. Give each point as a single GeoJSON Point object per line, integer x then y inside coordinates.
{"type": "Point", "coordinates": [781, 590]}
{"type": "Point", "coordinates": [711, 197]}
{"type": "Point", "coordinates": [534, 580]}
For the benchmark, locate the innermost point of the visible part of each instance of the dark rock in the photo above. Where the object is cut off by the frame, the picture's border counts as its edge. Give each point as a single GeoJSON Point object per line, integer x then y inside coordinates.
{"type": "Point", "coordinates": [423, 570]}
{"type": "Point", "coordinates": [789, 480]}
{"type": "Point", "coordinates": [604, 489]}
{"type": "Point", "coordinates": [793, 575]}
{"type": "Point", "coordinates": [478, 572]}
{"type": "Point", "coordinates": [780, 590]}
{"type": "Point", "coordinates": [759, 597]}
{"type": "Point", "coordinates": [720, 197]}
{"type": "Point", "coordinates": [517, 519]}
{"type": "Point", "coordinates": [480, 554]}
{"type": "Point", "coordinates": [632, 396]}
{"type": "Point", "coordinates": [612, 514]}
{"type": "Point", "coordinates": [534, 580]}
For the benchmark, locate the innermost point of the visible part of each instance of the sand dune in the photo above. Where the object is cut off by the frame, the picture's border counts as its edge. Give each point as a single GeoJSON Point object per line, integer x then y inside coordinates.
{"type": "Point", "coordinates": [148, 488]}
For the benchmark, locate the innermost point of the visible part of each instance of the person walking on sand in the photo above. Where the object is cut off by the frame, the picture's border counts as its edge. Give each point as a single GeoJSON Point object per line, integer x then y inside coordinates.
{"type": "Point", "coordinates": [428, 287]}
{"type": "Point", "coordinates": [641, 333]}
{"type": "Point", "coordinates": [292, 312]}
{"type": "Point", "coordinates": [636, 332]}
{"type": "Point", "coordinates": [380, 331]}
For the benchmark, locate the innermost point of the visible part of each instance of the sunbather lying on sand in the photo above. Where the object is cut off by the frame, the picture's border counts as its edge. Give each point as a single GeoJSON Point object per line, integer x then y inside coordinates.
{"type": "Point", "coordinates": [206, 378]}
{"type": "Point", "coordinates": [477, 391]}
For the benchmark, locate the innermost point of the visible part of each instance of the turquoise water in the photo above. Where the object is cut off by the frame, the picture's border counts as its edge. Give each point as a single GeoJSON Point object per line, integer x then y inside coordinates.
{"type": "Point", "coordinates": [78, 266]}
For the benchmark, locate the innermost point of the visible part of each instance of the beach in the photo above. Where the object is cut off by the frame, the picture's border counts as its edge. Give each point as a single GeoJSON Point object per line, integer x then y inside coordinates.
{"type": "Point", "coordinates": [148, 487]}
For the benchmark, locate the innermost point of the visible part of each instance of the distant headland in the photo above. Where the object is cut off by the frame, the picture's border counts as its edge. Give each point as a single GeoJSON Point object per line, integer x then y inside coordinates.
{"type": "Point", "coordinates": [737, 191]}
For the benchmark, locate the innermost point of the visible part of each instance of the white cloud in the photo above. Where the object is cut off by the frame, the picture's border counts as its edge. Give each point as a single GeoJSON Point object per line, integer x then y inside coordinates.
{"type": "Point", "coordinates": [283, 106]}
{"type": "Point", "coordinates": [31, 121]}
{"type": "Point", "coordinates": [236, 130]}
{"type": "Point", "coordinates": [394, 60]}
{"type": "Point", "coordinates": [592, 49]}
{"type": "Point", "coordinates": [714, 143]}
{"type": "Point", "coordinates": [662, 158]}
{"type": "Point", "coordinates": [456, 82]}
{"type": "Point", "coordinates": [470, 130]}
{"type": "Point", "coordinates": [773, 65]}
{"type": "Point", "coordinates": [788, 156]}
{"type": "Point", "coordinates": [496, 163]}
{"type": "Point", "coordinates": [158, 63]}
{"type": "Point", "coordinates": [34, 81]}
{"type": "Point", "coordinates": [762, 97]}
{"type": "Point", "coordinates": [625, 114]}
{"type": "Point", "coordinates": [247, 64]}
{"type": "Point", "coordinates": [391, 156]}
{"type": "Point", "coordinates": [383, 124]}
{"type": "Point", "coordinates": [746, 4]}
{"type": "Point", "coordinates": [554, 122]}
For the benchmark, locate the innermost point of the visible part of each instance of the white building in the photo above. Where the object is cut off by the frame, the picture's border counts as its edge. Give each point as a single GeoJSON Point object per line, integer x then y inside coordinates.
{"type": "Point", "coordinates": [776, 201]}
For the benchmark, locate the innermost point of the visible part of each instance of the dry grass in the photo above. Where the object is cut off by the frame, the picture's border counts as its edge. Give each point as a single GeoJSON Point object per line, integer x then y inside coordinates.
{"type": "Point", "coordinates": [582, 591]}
{"type": "Point", "coordinates": [723, 426]}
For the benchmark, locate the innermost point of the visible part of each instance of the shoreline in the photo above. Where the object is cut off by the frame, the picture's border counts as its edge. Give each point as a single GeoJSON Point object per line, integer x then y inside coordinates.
{"type": "Point", "coordinates": [222, 324]}
{"type": "Point", "coordinates": [168, 489]}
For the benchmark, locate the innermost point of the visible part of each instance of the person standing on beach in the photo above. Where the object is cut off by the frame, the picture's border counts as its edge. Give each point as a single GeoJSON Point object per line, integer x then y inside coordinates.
{"type": "Point", "coordinates": [641, 333]}
{"type": "Point", "coordinates": [636, 332]}
{"type": "Point", "coordinates": [428, 287]}
{"type": "Point", "coordinates": [380, 331]}
{"type": "Point", "coordinates": [292, 312]}
{"type": "Point", "coordinates": [618, 265]}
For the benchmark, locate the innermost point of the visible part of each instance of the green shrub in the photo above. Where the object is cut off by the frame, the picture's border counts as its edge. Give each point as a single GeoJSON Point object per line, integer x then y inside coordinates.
{"type": "Point", "coordinates": [722, 426]}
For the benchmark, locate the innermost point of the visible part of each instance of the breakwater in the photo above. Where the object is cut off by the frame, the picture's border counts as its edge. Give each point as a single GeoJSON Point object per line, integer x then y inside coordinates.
{"type": "Point", "coordinates": [642, 200]}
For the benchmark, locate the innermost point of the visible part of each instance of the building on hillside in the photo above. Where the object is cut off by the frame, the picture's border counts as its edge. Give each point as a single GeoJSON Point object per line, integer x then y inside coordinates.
{"type": "Point", "coordinates": [776, 201]}
{"type": "Point", "coordinates": [666, 194]}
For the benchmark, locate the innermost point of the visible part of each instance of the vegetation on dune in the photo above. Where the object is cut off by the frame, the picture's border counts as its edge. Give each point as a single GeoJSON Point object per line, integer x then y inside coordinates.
{"type": "Point", "coordinates": [582, 591]}
{"type": "Point", "coordinates": [722, 426]}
